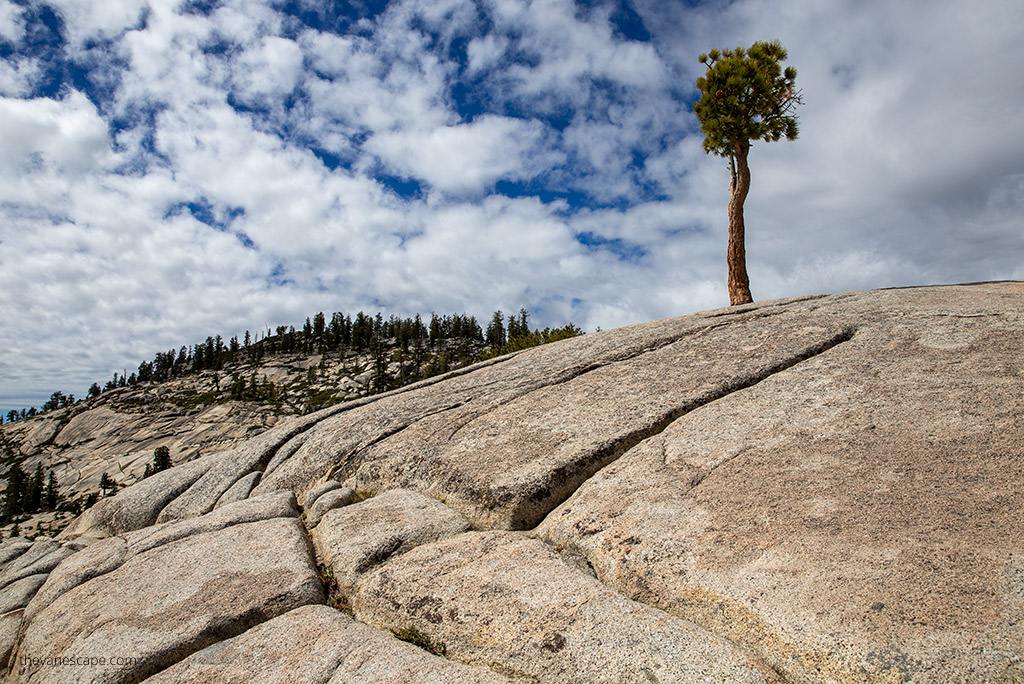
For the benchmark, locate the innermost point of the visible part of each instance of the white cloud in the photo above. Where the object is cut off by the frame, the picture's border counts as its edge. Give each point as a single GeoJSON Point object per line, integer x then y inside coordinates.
{"type": "Point", "coordinates": [61, 136]}
{"type": "Point", "coordinates": [908, 169]}
{"type": "Point", "coordinates": [12, 22]}
{"type": "Point", "coordinates": [103, 20]}
{"type": "Point", "coordinates": [464, 157]}
{"type": "Point", "coordinates": [485, 51]}
{"type": "Point", "coordinates": [571, 51]}
{"type": "Point", "coordinates": [269, 70]}
{"type": "Point", "coordinates": [17, 76]}
{"type": "Point", "coordinates": [385, 83]}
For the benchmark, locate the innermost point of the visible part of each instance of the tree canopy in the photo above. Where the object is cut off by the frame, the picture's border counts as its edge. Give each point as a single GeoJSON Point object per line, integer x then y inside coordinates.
{"type": "Point", "coordinates": [746, 95]}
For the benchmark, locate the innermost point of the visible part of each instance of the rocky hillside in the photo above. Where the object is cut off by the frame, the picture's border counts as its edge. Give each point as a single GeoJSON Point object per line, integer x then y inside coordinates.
{"type": "Point", "coordinates": [116, 433]}
{"type": "Point", "coordinates": [819, 489]}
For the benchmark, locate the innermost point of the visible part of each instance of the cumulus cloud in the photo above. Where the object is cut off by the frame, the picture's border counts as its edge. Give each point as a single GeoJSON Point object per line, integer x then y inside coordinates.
{"type": "Point", "coordinates": [465, 157]}
{"type": "Point", "coordinates": [86, 22]}
{"type": "Point", "coordinates": [12, 22]}
{"type": "Point", "coordinates": [47, 143]}
{"type": "Point", "coordinates": [269, 70]}
{"type": "Point", "coordinates": [175, 170]}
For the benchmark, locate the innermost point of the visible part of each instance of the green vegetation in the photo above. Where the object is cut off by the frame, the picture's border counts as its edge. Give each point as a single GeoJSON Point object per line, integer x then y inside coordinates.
{"type": "Point", "coordinates": [533, 339]}
{"type": "Point", "coordinates": [745, 96]}
{"type": "Point", "coordinates": [161, 461]}
{"type": "Point", "coordinates": [335, 598]}
{"type": "Point", "coordinates": [25, 494]}
{"type": "Point", "coordinates": [398, 351]}
{"type": "Point", "coordinates": [415, 636]}
{"type": "Point", "coordinates": [108, 485]}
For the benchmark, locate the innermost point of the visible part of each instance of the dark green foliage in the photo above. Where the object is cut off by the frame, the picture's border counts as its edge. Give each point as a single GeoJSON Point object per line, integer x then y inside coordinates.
{"type": "Point", "coordinates": [518, 327]}
{"type": "Point", "coordinates": [161, 459]}
{"type": "Point", "coordinates": [496, 330]}
{"type": "Point", "coordinates": [381, 380]}
{"type": "Point", "coordinates": [532, 339]}
{"type": "Point", "coordinates": [52, 495]}
{"type": "Point", "coordinates": [107, 484]}
{"type": "Point", "coordinates": [746, 95]}
{"type": "Point", "coordinates": [25, 494]}
{"type": "Point", "coordinates": [414, 636]}
{"type": "Point", "coordinates": [34, 491]}
{"type": "Point", "coordinates": [14, 493]}
{"type": "Point", "coordinates": [58, 401]}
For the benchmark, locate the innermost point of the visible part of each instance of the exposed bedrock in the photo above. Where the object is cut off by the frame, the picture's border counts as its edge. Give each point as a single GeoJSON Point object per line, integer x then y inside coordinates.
{"type": "Point", "coordinates": [504, 601]}
{"type": "Point", "coordinates": [823, 489]}
{"type": "Point", "coordinates": [131, 606]}
{"type": "Point", "coordinates": [856, 517]}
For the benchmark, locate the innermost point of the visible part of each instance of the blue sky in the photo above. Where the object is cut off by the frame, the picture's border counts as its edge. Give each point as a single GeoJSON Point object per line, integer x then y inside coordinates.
{"type": "Point", "coordinates": [171, 170]}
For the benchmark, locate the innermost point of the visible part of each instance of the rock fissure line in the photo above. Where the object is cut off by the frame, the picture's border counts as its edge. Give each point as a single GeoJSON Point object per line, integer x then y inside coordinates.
{"type": "Point", "coordinates": [574, 373]}
{"type": "Point", "coordinates": [301, 428]}
{"type": "Point", "coordinates": [330, 597]}
{"type": "Point", "coordinates": [353, 461]}
{"type": "Point", "coordinates": [353, 458]}
{"type": "Point", "coordinates": [703, 473]}
{"type": "Point", "coordinates": [525, 518]}
{"type": "Point", "coordinates": [632, 440]}
{"type": "Point", "coordinates": [332, 411]}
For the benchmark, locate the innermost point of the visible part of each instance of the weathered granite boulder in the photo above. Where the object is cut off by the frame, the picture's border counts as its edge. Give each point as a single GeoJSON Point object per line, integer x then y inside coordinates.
{"type": "Point", "coordinates": [139, 505]}
{"type": "Point", "coordinates": [335, 498]}
{"type": "Point", "coordinates": [12, 548]}
{"type": "Point", "coordinates": [111, 553]}
{"type": "Point", "coordinates": [160, 606]}
{"type": "Point", "coordinates": [857, 517]}
{"type": "Point", "coordinates": [42, 433]}
{"type": "Point", "coordinates": [17, 594]}
{"type": "Point", "coordinates": [10, 623]}
{"type": "Point", "coordinates": [507, 456]}
{"type": "Point", "coordinates": [318, 644]}
{"type": "Point", "coordinates": [13, 599]}
{"type": "Point", "coordinates": [87, 425]}
{"type": "Point", "coordinates": [42, 557]}
{"type": "Point", "coordinates": [817, 489]}
{"type": "Point", "coordinates": [334, 447]}
{"type": "Point", "coordinates": [24, 567]}
{"type": "Point", "coordinates": [240, 490]}
{"type": "Point", "coordinates": [505, 601]}
{"type": "Point", "coordinates": [509, 467]}
{"type": "Point", "coordinates": [316, 492]}
{"type": "Point", "coordinates": [353, 540]}
{"type": "Point", "coordinates": [234, 465]}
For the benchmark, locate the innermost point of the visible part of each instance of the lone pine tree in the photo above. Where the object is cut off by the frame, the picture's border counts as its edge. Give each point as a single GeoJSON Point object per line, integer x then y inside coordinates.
{"type": "Point", "coordinates": [745, 96]}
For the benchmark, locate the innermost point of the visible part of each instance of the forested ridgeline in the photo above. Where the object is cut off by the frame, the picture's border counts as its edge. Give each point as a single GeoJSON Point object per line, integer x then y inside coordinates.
{"type": "Point", "coordinates": [394, 351]}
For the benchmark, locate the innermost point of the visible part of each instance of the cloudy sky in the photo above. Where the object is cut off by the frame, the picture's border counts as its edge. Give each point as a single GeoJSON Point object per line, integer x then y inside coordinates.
{"type": "Point", "coordinates": [174, 169]}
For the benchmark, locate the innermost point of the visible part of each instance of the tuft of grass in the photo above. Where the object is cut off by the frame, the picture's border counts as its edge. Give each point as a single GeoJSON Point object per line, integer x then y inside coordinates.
{"type": "Point", "coordinates": [414, 636]}
{"type": "Point", "coordinates": [335, 599]}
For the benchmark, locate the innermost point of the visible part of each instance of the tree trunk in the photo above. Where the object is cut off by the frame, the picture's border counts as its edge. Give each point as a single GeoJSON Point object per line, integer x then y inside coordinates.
{"type": "Point", "coordinates": [736, 255]}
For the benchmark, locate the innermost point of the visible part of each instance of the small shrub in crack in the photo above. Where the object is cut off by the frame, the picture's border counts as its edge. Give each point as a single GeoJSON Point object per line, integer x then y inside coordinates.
{"type": "Point", "coordinates": [335, 599]}
{"type": "Point", "coordinates": [415, 636]}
